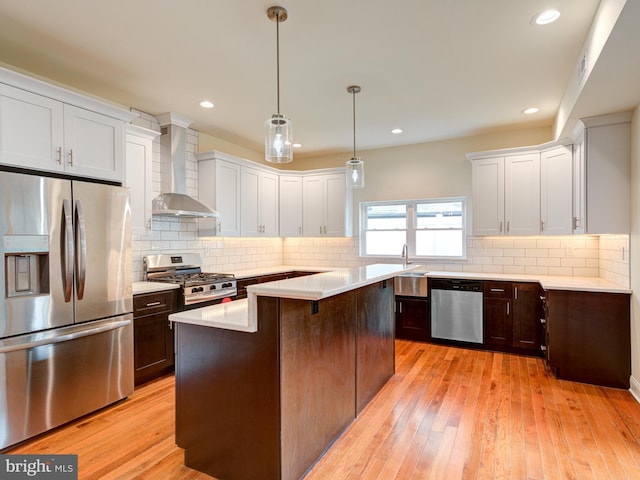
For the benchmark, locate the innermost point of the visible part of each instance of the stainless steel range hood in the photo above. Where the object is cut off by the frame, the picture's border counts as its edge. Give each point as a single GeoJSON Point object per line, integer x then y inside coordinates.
{"type": "Point", "coordinates": [175, 201]}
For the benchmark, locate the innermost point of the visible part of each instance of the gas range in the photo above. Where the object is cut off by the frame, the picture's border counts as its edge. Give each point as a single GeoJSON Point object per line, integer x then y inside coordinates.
{"type": "Point", "coordinates": [198, 289]}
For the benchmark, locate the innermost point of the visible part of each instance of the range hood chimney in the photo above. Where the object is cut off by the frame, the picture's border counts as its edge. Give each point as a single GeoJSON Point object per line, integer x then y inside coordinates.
{"type": "Point", "coordinates": [174, 200]}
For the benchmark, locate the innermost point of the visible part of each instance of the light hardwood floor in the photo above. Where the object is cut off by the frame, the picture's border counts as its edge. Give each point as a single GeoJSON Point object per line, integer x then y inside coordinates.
{"type": "Point", "coordinates": [448, 413]}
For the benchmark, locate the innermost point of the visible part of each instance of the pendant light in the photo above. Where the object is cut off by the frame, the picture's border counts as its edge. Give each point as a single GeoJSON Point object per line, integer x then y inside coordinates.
{"type": "Point", "coordinates": [278, 139]}
{"type": "Point", "coordinates": [355, 166]}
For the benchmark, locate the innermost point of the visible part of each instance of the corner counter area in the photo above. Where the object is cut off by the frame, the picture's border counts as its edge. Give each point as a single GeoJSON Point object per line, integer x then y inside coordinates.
{"type": "Point", "coordinates": [265, 385]}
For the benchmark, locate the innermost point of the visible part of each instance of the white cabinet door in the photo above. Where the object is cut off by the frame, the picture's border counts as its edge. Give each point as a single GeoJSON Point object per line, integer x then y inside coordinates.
{"type": "Point", "coordinates": [259, 203]}
{"type": "Point", "coordinates": [579, 187]}
{"type": "Point", "coordinates": [138, 177]}
{"type": "Point", "coordinates": [219, 188]}
{"type": "Point", "coordinates": [290, 206]}
{"type": "Point", "coordinates": [313, 187]}
{"type": "Point", "coordinates": [31, 130]}
{"type": "Point", "coordinates": [556, 191]}
{"type": "Point", "coordinates": [250, 203]}
{"type": "Point", "coordinates": [335, 198]}
{"type": "Point", "coordinates": [269, 204]}
{"type": "Point", "coordinates": [522, 194]}
{"type": "Point", "coordinates": [324, 205]}
{"type": "Point", "coordinates": [94, 144]}
{"type": "Point", "coordinates": [488, 196]}
{"type": "Point", "coordinates": [608, 173]}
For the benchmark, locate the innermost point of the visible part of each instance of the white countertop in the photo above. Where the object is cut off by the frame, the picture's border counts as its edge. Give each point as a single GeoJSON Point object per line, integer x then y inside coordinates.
{"type": "Point", "coordinates": [241, 315]}
{"type": "Point", "coordinates": [256, 272]}
{"type": "Point", "coordinates": [230, 316]}
{"type": "Point", "coordinates": [328, 284]}
{"type": "Point", "coordinates": [150, 287]}
{"type": "Point", "coordinates": [548, 282]}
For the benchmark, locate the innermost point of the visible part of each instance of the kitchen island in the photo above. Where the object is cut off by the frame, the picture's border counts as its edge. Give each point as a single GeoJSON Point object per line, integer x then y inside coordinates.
{"type": "Point", "coordinates": [265, 385]}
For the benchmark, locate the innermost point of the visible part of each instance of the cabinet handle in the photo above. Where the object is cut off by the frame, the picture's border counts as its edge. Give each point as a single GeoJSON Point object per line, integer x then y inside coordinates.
{"type": "Point", "coordinates": [543, 348]}
{"type": "Point", "coordinates": [497, 289]}
{"type": "Point", "coordinates": [508, 222]}
{"type": "Point", "coordinates": [500, 228]}
{"type": "Point", "coordinates": [59, 155]}
{"type": "Point", "coordinates": [400, 305]}
{"type": "Point", "coordinates": [149, 224]}
{"type": "Point", "coordinates": [219, 227]}
{"type": "Point", "coordinates": [325, 229]}
{"type": "Point", "coordinates": [542, 225]}
{"type": "Point", "coordinates": [576, 223]}
{"type": "Point", "coordinates": [507, 308]}
{"type": "Point", "coordinates": [71, 156]}
{"type": "Point", "coordinates": [515, 293]}
{"type": "Point", "coordinates": [300, 229]}
{"type": "Point", "coordinates": [153, 304]}
{"type": "Point", "coordinates": [543, 321]}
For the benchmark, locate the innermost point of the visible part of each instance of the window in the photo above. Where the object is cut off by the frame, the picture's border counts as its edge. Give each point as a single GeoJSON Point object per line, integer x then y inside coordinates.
{"type": "Point", "coordinates": [430, 228]}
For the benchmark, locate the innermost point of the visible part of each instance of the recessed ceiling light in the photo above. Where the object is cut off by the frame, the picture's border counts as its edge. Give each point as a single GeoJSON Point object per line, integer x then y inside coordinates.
{"type": "Point", "coordinates": [396, 131]}
{"type": "Point", "coordinates": [206, 104]}
{"type": "Point", "coordinates": [546, 17]}
{"type": "Point", "coordinates": [530, 110]}
{"type": "Point", "coordinates": [296, 145]}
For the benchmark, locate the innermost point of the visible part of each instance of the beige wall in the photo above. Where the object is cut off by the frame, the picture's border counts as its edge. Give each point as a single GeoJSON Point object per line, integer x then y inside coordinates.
{"type": "Point", "coordinates": [208, 142]}
{"type": "Point", "coordinates": [635, 248]}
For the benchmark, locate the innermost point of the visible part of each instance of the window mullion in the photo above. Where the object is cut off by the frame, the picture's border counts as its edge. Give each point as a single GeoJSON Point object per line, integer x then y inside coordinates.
{"type": "Point", "coordinates": [411, 229]}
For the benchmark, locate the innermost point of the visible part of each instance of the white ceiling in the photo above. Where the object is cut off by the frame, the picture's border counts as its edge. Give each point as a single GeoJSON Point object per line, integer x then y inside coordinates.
{"type": "Point", "coordinates": [437, 69]}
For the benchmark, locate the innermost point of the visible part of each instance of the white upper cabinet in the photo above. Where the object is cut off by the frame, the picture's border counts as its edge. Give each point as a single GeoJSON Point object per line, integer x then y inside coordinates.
{"type": "Point", "coordinates": [290, 205]}
{"type": "Point", "coordinates": [256, 200]}
{"type": "Point", "coordinates": [138, 177]}
{"type": "Point", "coordinates": [556, 191]}
{"type": "Point", "coordinates": [93, 144]}
{"type": "Point", "coordinates": [506, 195]}
{"type": "Point", "coordinates": [324, 201]}
{"type": "Point", "coordinates": [602, 172]}
{"type": "Point", "coordinates": [522, 194]}
{"type": "Point", "coordinates": [219, 188]}
{"type": "Point", "coordinates": [31, 130]}
{"type": "Point", "coordinates": [487, 176]}
{"type": "Point", "coordinates": [258, 203]}
{"type": "Point", "coordinates": [44, 127]}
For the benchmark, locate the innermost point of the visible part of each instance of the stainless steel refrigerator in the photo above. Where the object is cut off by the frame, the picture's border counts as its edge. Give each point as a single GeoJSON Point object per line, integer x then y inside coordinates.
{"type": "Point", "coordinates": [66, 327]}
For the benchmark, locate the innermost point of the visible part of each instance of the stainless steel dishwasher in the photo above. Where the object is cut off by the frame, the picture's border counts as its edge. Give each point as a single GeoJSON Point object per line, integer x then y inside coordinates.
{"type": "Point", "coordinates": [456, 310]}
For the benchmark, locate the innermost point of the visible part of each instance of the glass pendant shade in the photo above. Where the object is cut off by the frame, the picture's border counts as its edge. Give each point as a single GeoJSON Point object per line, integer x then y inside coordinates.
{"type": "Point", "coordinates": [278, 139]}
{"type": "Point", "coordinates": [355, 173]}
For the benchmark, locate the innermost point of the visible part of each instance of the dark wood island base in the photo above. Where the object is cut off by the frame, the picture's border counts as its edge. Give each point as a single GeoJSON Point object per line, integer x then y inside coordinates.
{"type": "Point", "coordinates": [268, 404]}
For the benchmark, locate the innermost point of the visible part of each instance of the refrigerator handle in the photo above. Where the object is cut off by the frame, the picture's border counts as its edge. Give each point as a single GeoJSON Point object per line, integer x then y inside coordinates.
{"type": "Point", "coordinates": [67, 250]}
{"type": "Point", "coordinates": [81, 243]}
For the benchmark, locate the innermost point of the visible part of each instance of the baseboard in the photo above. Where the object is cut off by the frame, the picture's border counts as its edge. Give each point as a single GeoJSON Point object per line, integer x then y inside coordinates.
{"type": "Point", "coordinates": [635, 388]}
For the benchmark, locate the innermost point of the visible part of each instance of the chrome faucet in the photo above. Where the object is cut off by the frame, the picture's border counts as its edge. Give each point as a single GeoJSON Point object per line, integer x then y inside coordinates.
{"type": "Point", "coordinates": [405, 255]}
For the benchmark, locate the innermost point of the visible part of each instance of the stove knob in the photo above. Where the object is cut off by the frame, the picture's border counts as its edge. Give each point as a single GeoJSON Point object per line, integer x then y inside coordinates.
{"type": "Point", "coordinates": [212, 287]}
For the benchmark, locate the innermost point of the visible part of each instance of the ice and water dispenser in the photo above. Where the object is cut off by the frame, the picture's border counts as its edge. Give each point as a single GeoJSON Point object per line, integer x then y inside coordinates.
{"type": "Point", "coordinates": [26, 265]}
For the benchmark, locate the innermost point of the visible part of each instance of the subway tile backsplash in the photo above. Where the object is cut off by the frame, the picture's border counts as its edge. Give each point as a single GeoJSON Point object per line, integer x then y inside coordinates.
{"type": "Point", "coordinates": [605, 256]}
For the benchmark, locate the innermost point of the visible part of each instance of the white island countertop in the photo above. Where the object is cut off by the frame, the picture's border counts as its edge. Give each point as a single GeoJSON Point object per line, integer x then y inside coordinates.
{"type": "Point", "coordinates": [241, 315]}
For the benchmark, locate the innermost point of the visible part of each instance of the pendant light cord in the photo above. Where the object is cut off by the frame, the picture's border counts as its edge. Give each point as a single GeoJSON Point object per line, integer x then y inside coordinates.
{"type": "Point", "coordinates": [278, 58]}
{"type": "Point", "coordinates": [354, 123]}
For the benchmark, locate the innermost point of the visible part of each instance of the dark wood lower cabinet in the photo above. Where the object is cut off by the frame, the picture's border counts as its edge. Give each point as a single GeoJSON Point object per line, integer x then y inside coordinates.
{"type": "Point", "coordinates": [412, 318]}
{"type": "Point", "coordinates": [589, 337]}
{"type": "Point", "coordinates": [497, 315]}
{"type": "Point", "coordinates": [152, 333]}
{"type": "Point", "coordinates": [527, 312]}
{"type": "Point", "coordinates": [511, 317]}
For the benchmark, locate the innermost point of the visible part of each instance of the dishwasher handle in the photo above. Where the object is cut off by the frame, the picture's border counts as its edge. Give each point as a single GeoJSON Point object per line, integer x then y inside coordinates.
{"type": "Point", "coordinates": [457, 284]}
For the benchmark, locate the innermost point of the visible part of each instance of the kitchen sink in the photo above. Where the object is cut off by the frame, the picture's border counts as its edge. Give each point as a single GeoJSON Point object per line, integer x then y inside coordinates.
{"type": "Point", "coordinates": [411, 284]}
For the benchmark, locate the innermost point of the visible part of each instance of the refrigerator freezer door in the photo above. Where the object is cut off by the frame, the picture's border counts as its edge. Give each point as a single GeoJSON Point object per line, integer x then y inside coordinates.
{"type": "Point", "coordinates": [32, 224]}
{"type": "Point", "coordinates": [102, 225]}
{"type": "Point", "coordinates": [49, 378]}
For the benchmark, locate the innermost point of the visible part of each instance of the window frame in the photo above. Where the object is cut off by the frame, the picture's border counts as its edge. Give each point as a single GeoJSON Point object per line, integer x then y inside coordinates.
{"type": "Point", "coordinates": [412, 229]}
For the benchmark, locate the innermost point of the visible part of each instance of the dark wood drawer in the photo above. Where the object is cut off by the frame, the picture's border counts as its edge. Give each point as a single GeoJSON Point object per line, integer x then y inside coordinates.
{"type": "Point", "coordinates": [156, 302]}
{"type": "Point", "coordinates": [498, 290]}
